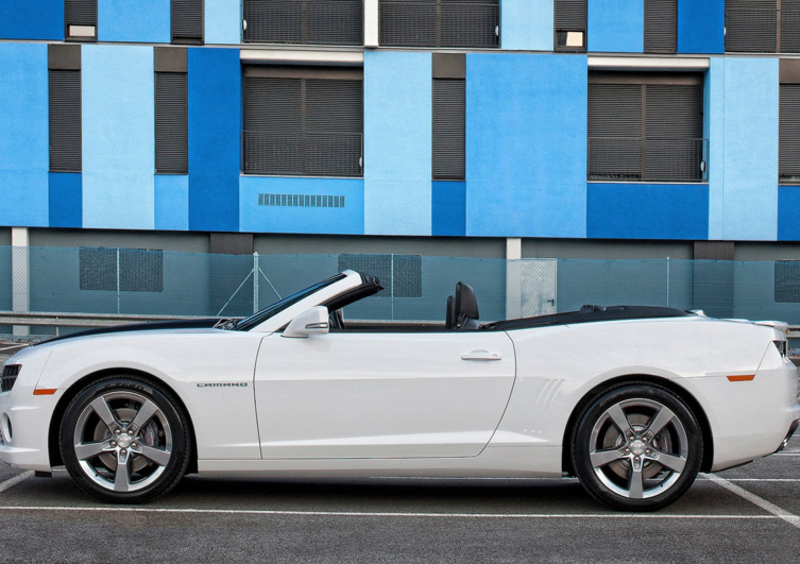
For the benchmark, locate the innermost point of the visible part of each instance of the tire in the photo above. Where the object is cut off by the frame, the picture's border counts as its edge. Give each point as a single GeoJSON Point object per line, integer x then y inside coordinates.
{"type": "Point", "coordinates": [637, 447]}
{"type": "Point", "coordinates": [125, 440]}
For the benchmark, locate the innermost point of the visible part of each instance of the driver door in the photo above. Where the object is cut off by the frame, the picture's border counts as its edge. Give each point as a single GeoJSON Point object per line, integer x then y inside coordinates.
{"type": "Point", "coordinates": [382, 394]}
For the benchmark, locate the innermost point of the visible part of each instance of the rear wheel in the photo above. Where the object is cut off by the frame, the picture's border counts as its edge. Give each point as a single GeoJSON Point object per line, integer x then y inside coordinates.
{"type": "Point", "coordinates": [637, 448]}
{"type": "Point", "coordinates": [124, 440]}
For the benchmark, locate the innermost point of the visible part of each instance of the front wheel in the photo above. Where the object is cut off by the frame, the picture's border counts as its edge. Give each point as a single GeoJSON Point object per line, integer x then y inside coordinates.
{"type": "Point", "coordinates": [637, 448]}
{"type": "Point", "coordinates": [124, 440]}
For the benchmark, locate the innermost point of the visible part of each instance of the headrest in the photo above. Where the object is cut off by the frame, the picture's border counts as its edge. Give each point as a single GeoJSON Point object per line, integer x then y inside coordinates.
{"type": "Point", "coordinates": [466, 302]}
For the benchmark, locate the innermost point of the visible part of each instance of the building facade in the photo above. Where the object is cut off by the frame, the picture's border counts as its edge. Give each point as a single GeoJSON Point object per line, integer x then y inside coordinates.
{"type": "Point", "coordinates": [495, 128]}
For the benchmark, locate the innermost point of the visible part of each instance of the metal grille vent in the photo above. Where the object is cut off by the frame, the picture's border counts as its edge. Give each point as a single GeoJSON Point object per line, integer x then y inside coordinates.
{"type": "Point", "coordinates": [316, 22]}
{"type": "Point", "coordinates": [448, 129]}
{"type": "Point", "coordinates": [439, 23]}
{"type": "Point", "coordinates": [400, 275]}
{"type": "Point", "coordinates": [121, 270]}
{"type": "Point", "coordinates": [187, 21]}
{"type": "Point", "coordinates": [661, 26]}
{"type": "Point", "coordinates": [65, 120]}
{"type": "Point", "coordinates": [789, 136]}
{"type": "Point", "coordinates": [172, 123]}
{"type": "Point", "coordinates": [10, 373]}
{"type": "Point", "coordinates": [787, 281]}
{"type": "Point", "coordinates": [81, 12]}
{"type": "Point", "coordinates": [301, 200]}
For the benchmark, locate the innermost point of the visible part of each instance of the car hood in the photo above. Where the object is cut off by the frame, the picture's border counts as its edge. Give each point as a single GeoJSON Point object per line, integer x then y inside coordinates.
{"type": "Point", "coordinates": [205, 323]}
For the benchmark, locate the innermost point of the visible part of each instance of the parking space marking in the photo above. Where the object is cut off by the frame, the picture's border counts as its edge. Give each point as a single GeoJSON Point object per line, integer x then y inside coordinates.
{"type": "Point", "coordinates": [790, 518]}
{"type": "Point", "coordinates": [383, 514]}
{"type": "Point", "coordinates": [11, 482]}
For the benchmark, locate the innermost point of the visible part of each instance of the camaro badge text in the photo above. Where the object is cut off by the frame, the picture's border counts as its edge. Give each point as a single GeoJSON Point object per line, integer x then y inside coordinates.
{"type": "Point", "coordinates": [222, 385]}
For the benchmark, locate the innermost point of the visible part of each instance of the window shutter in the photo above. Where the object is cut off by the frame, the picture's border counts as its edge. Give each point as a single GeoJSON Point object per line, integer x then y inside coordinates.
{"type": "Point", "coordinates": [334, 124]}
{"type": "Point", "coordinates": [674, 131]}
{"type": "Point", "coordinates": [187, 21]}
{"type": "Point", "coordinates": [273, 122]}
{"type": "Point", "coordinates": [469, 23]}
{"type": "Point", "coordinates": [448, 129]}
{"type": "Point", "coordinates": [80, 17]}
{"type": "Point", "coordinates": [751, 26]}
{"type": "Point", "coordinates": [172, 123]}
{"type": "Point", "coordinates": [318, 22]}
{"type": "Point", "coordinates": [789, 153]}
{"type": "Point", "coordinates": [661, 26]}
{"type": "Point", "coordinates": [570, 18]}
{"type": "Point", "coordinates": [334, 22]}
{"type": "Point", "coordinates": [65, 120]}
{"type": "Point", "coordinates": [790, 26]}
{"type": "Point", "coordinates": [439, 23]}
{"type": "Point", "coordinates": [615, 131]}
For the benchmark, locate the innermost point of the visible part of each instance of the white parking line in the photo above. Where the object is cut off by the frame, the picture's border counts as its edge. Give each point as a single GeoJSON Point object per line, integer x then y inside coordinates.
{"type": "Point", "coordinates": [790, 518]}
{"type": "Point", "coordinates": [15, 480]}
{"type": "Point", "coordinates": [267, 512]}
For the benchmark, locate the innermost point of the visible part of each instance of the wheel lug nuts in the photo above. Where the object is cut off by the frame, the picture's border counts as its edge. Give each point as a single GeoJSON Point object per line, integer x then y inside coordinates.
{"type": "Point", "coordinates": [123, 451]}
{"type": "Point", "coordinates": [117, 431]}
{"type": "Point", "coordinates": [113, 443]}
{"type": "Point", "coordinates": [647, 451]}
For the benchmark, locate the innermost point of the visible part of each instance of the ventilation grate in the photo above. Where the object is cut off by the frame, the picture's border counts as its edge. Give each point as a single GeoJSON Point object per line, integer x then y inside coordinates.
{"type": "Point", "coordinates": [300, 201]}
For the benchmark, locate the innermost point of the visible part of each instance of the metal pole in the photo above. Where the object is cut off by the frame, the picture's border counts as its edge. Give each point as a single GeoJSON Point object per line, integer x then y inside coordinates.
{"type": "Point", "coordinates": [667, 281]}
{"type": "Point", "coordinates": [256, 270]}
{"type": "Point", "coordinates": [118, 289]}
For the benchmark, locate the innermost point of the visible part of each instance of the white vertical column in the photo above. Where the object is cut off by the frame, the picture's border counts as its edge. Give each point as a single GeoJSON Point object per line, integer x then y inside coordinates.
{"type": "Point", "coordinates": [20, 276]}
{"type": "Point", "coordinates": [513, 277]}
{"type": "Point", "coordinates": [371, 19]}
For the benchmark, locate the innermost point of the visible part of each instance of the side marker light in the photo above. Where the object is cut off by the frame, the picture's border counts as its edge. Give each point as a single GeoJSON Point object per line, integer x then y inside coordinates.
{"type": "Point", "coordinates": [50, 392]}
{"type": "Point", "coordinates": [742, 378]}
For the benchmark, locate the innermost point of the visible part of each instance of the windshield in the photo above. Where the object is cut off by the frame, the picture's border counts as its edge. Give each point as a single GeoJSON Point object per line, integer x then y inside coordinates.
{"type": "Point", "coordinates": [258, 318]}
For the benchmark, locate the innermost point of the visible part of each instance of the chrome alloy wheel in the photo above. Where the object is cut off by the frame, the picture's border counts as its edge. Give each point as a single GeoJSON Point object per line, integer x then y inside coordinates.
{"type": "Point", "coordinates": [638, 448]}
{"type": "Point", "coordinates": [122, 441]}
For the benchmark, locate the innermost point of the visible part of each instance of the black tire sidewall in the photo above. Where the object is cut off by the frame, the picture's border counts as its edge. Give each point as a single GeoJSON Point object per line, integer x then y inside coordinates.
{"type": "Point", "coordinates": [171, 409]}
{"type": "Point", "coordinates": [581, 445]}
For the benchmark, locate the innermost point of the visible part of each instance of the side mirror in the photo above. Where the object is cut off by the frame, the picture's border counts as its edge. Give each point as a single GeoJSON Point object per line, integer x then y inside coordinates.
{"type": "Point", "coordinates": [311, 322]}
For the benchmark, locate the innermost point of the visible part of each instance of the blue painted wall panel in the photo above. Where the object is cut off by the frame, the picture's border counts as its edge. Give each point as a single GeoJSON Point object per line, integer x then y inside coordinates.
{"type": "Point", "coordinates": [66, 199]}
{"type": "Point", "coordinates": [259, 218]}
{"type": "Point", "coordinates": [789, 213]}
{"type": "Point", "coordinates": [24, 19]}
{"type": "Point", "coordinates": [24, 143]}
{"type": "Point", "coordinates": [744, 148]}
{"type": "Point", "coordinates": [118, 136]}
{"type": "Point", "coordinates": [615, 26]}
{"type": "Point", "coordinates": [142, 21]}
{"type": "Point", "coordinates": [701, 26]}
{"type": "Point", "coordinates": [215, 99]}
{"type": "Point", "coordinates": [526, 145]}
{"type": "Point", "coordinates": [223, 21]}
{"type": "Point", "coordinates": [448, 209]}
{"type": "Point", "coordinates": [647, 211]}
{"type": "Point", "coordinates": [172, 202]}
{"type": "Point", "coordinates": [397, 143]}
{"type": "Point", "coordinates": [527, 25]}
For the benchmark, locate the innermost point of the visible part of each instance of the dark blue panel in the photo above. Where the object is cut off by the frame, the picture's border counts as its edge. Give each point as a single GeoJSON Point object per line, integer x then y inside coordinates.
{"type": "Point", "coordinates": [24, 19]}
{"type": "Point", "coordinates": [214, 128]}
{"type": "Point", "coordinates": [66, 199]}
{"type": "Point", "coordinates": [647, 211]}
{"type": "Point", "coordinates": [789, 213]}
{"type": "Point", "coordinates": [449, 208]}
{"type": "Point", "coordinates": [701, 26]}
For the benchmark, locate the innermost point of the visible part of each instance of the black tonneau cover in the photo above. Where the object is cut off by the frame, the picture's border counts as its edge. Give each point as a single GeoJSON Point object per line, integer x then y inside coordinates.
{"type": "Point", "coordinates": [588, 314]}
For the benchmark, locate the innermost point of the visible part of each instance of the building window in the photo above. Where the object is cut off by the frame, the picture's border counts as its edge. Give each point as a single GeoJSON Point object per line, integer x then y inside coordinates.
{"type": "Point", "coordinates": [646, 127]}
{"type": "Point", "coordinates": [303, 121]}
{"type": "Point", "coordinates": [440, 23]}
{"type": "Point", "coordinates": [449, 116]}
{"type": "Point", "coordinates": [80, 18]}
{"type": "Point", "coordinates": [400, 275]}
{"type": "Point", "coordinates": [762, 26]}
{"type": "Point", "coordinates": [187, 21]}
{"type": "Point", "coordinates": [171, 111]}
{"type": "Point", "coordinates": [315, 22]}
{"type": "Point", "coordinates": [64, 70]}
{"type": "Point", "coordinates": [570, 20]}
{"type": "Point", "coordinates": [660, 26]}
{"type": "Point", "coordinates": [789, 123]}
{"type": "Point", "coordinates": [121, 270]}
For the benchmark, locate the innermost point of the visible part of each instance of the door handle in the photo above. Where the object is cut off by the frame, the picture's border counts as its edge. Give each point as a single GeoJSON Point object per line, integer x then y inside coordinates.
{"type": "Point", "coordinates": [481, 355]}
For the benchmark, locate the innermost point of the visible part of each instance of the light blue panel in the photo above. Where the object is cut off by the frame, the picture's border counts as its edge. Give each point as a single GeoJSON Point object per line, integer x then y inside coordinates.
{"type": "Point", "coordinates": [397, 143]}
{"type": "Point", "coordinates": [142, 21]}
{"type": "Point", "coordinates": [526, 145]}
{"type": "Point", "coordinates": [714, 131]}
{"type": "Point", "coordinates": [118, 136]}
{"type": "Point", "coordinates": [257, 216]}
{"type": "Point", "coordinates": [24, 143]}
{"type": "Point", "coordinates": [615, 26]}
{"type": "Point", "coordinates": [527, 25]}
{"type": "Point", "coordinates": [749, 191]}
{"type": "Point", "coordinates": [172, 202]}
{"type": "Point", "coordinates": [223, 21]}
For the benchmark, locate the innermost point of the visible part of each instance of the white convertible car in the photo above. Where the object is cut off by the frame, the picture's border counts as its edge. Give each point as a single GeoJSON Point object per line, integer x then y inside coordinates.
{"type": "Point", "coordinates": [634, 401]}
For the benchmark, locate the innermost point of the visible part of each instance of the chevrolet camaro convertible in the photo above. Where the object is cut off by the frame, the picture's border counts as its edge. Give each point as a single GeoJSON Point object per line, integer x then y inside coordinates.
{"type": "Point", "coordinates": [634, 401]}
